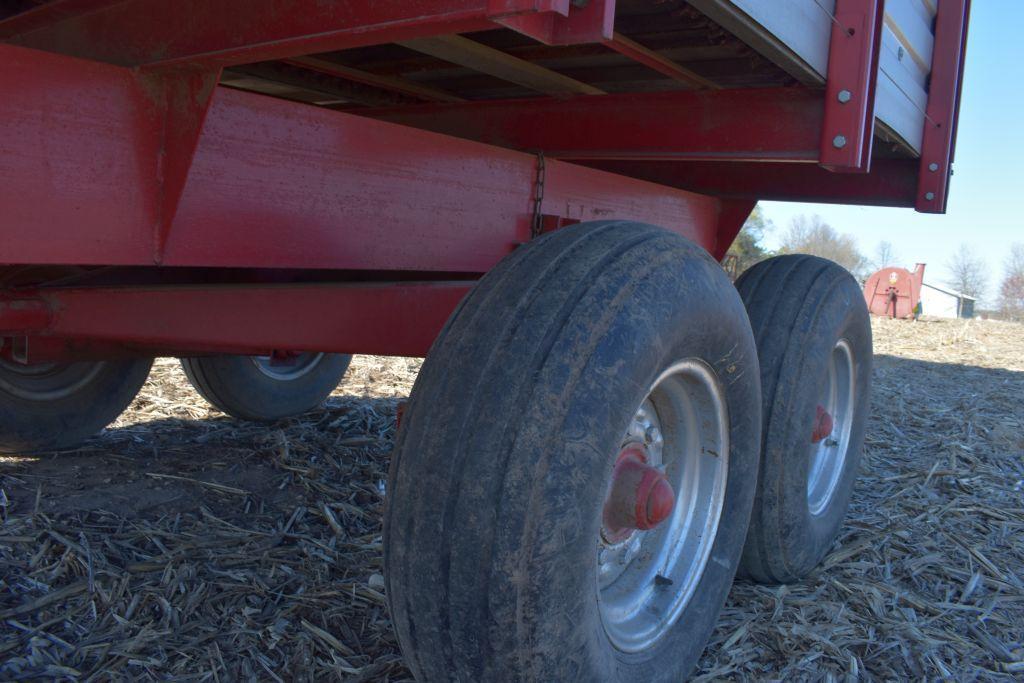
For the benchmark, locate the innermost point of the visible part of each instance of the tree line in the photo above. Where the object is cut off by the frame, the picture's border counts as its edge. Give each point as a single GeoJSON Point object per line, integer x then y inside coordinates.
{"type": "Point", "coordinates": [967, 272]}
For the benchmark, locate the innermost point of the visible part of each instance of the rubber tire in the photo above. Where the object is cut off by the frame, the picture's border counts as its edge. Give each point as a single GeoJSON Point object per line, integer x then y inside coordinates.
{"type": "Point", "coordinates": [800, 307]}
{"type": "Point", "coordinates": [234, 385]}
{"type": "Point", "coordinates": [30, 426]}
{"type": "Point", "coordinates": [507, 445]}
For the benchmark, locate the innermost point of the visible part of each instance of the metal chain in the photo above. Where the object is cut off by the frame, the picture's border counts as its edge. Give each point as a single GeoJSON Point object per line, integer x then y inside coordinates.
{"type": "Point", "coordinates": [538, 197]}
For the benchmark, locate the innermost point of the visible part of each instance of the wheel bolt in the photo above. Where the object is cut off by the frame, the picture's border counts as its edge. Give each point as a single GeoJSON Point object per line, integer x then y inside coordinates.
{"type": "Point", "coordinates": [651, 434]}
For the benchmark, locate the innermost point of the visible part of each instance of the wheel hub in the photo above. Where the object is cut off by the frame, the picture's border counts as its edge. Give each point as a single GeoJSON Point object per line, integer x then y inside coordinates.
{"type": "Point", "coordinates": [830, 435]}
{"type": "Point", "coordinates": [823, 425]}
{"type": "Point", "coordinates": [641, 497]}
{"type": "Point", "coordinates": [46, 381]}
{"type": "Point", "coordinates": [285, 366]}
{"type": "Point", "coordinates": [660, 514]}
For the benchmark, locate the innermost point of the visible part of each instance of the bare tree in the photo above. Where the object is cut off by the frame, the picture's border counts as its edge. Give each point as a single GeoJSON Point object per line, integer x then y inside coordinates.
{"type": "Point", "coordinates": [885, 255]}
{"type": "Point", "coordinates": [968, 273]}
{"type": "Point", "coordinates": [812, 235]}
{"type": "Point", "coordinates": [1011, 290]}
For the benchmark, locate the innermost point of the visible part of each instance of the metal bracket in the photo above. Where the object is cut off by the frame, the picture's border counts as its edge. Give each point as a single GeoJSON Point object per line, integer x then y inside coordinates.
{"type": "Point", "coordinates": [557, 22]}
{"type": "Point", "coordinates": [175, 102]}
{"type": "Point", "coordinates": [20, 316]}
{"type": "Point", "coordinates": [849, 122]}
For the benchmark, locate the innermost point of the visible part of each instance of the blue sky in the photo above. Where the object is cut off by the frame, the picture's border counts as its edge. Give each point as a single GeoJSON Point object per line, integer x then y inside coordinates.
{"type": "Point", "coordinates": [986, 203]}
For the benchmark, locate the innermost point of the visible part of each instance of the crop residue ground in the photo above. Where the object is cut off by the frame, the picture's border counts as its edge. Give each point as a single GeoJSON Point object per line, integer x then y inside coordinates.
{"type": "Point", "coordinates": [181, 544]}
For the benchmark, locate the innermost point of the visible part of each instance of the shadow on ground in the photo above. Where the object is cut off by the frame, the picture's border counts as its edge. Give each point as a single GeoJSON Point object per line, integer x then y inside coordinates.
{"type": "Point", "coordinates": [175, 547]}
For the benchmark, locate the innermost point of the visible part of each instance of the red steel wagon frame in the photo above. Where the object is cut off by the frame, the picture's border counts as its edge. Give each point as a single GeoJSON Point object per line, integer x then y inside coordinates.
{"type": "Point", "coordinates": [279, 181]}
{"type": "Point", "coordinates": [120, 150]}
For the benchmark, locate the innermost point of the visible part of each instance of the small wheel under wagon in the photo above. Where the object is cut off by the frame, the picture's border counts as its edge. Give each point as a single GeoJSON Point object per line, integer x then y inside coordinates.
{"type": "Point", "coordinates": [814, 342]}
{"type": "Point", "coordinates": [574, 472]}
{"type": "Point", "coordinates": [266, 388]}
{"type": "Point", "coordinates": [56, 406]}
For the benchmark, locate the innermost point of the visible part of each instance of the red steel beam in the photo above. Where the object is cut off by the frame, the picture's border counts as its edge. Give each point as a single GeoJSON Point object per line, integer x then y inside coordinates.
{"type": "Point", "coordinates": [220, 33]}
{"type": "Point", "coordinates": [775, 124]}
{"type": "Point", "coordinates": [399, 319]}
{"type": "Point", "coordinates": [652, 60]}
{"type": "Point", "coordinates": [891, 182]}
{"type": "Point", "coordinates": [942, 111]}
{"type": "Point", "coordinates": [849, 126]}
{"type": "Point", "coordinates": [274, 184]}
{"type": "Point", "coordinates": [48, 14]}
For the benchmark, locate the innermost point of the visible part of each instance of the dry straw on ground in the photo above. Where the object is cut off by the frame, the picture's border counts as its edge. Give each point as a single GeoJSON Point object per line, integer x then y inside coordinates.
{"type": "Point", "coordinates": [183, 545]}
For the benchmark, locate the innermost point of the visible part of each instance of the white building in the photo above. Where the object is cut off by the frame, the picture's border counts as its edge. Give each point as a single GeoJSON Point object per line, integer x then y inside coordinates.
{"type": "Point", "coordinates": [944, 303]}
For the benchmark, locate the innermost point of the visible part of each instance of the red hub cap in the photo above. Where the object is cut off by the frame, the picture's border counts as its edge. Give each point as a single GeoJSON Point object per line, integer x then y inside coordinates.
{"type": "Point", "coordinates": [640, 497]}
{"type": "Point", "coordinates": [823, 424]}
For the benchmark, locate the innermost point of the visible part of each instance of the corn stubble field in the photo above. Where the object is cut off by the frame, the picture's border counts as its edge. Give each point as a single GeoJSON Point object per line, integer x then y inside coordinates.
{"type": "Point", "coordinates": [183, 545]}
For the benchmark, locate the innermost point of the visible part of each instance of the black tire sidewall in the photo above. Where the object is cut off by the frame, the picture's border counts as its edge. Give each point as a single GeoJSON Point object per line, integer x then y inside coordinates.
{"type": "Point", "coordinates": [507, 448]}
{"type": "Point", "coordinates": [802, 307]}
{"type": "Point", "coordinates": [701, 326]}
{"type": "Point", "coordinates": [838, 319]}
{"type": "Point", "coordinates": [234, 385]}
{"type": "Point", "coordinates": [35, 425]}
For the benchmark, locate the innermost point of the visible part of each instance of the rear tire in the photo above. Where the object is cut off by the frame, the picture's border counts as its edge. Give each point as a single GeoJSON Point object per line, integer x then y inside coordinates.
{"type": "Point", "coordinates": [57, 406]}
{"type": "Point", "coordinates": [814, 343]}
{"type": "Point", "coordinates": [494, 533]}
{"type": "Point", "coordinates": [251, 388]}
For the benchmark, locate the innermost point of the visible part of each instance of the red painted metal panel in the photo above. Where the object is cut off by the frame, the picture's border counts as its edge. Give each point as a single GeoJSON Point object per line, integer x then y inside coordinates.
{"type": "Point", "coordinates": [392, 319]}
{"type": "Point", "coordinates": [938, 143]}
{"type": "Point", "coordinates": [278, 185]}
{"type": "Point", "coordinates": [78, 159]}
{"type": "Point", "coordinates": [753, 124]}
{"type": "Point", "coordinates": [849, 127]}
{"type": "Point", "coordinates": [274, 184]}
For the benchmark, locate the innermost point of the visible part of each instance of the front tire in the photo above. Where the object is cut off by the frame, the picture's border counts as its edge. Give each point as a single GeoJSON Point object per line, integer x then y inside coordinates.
{"type": "Point", "coordinates": [505, 465]}
{"type": "Point", "coordinates": [56, 406]}
{"type": "Point", "coordinates": [814, 342]}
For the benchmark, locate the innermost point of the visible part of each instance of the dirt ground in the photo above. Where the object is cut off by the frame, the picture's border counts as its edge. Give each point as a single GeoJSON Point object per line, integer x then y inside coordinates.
{"type": "Point", "coordinates": [183, 545]}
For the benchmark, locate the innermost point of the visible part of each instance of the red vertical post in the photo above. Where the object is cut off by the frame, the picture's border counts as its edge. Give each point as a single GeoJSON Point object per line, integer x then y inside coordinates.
{"type": "Point", "coordinates": [849, 122]}
{"type": "Point", "coordinates": [939, 139]}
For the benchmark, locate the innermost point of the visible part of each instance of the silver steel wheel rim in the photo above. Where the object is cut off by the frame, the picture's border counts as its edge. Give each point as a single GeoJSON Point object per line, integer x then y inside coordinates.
{"type": "Point", "coordinates": [828, 456]}
{"type": "Point", "coordinates": [47, 381]}
{"type": "Point", "coordinates": [646, 581]}
{"type": "Point", "coordinates": [303, 364]}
